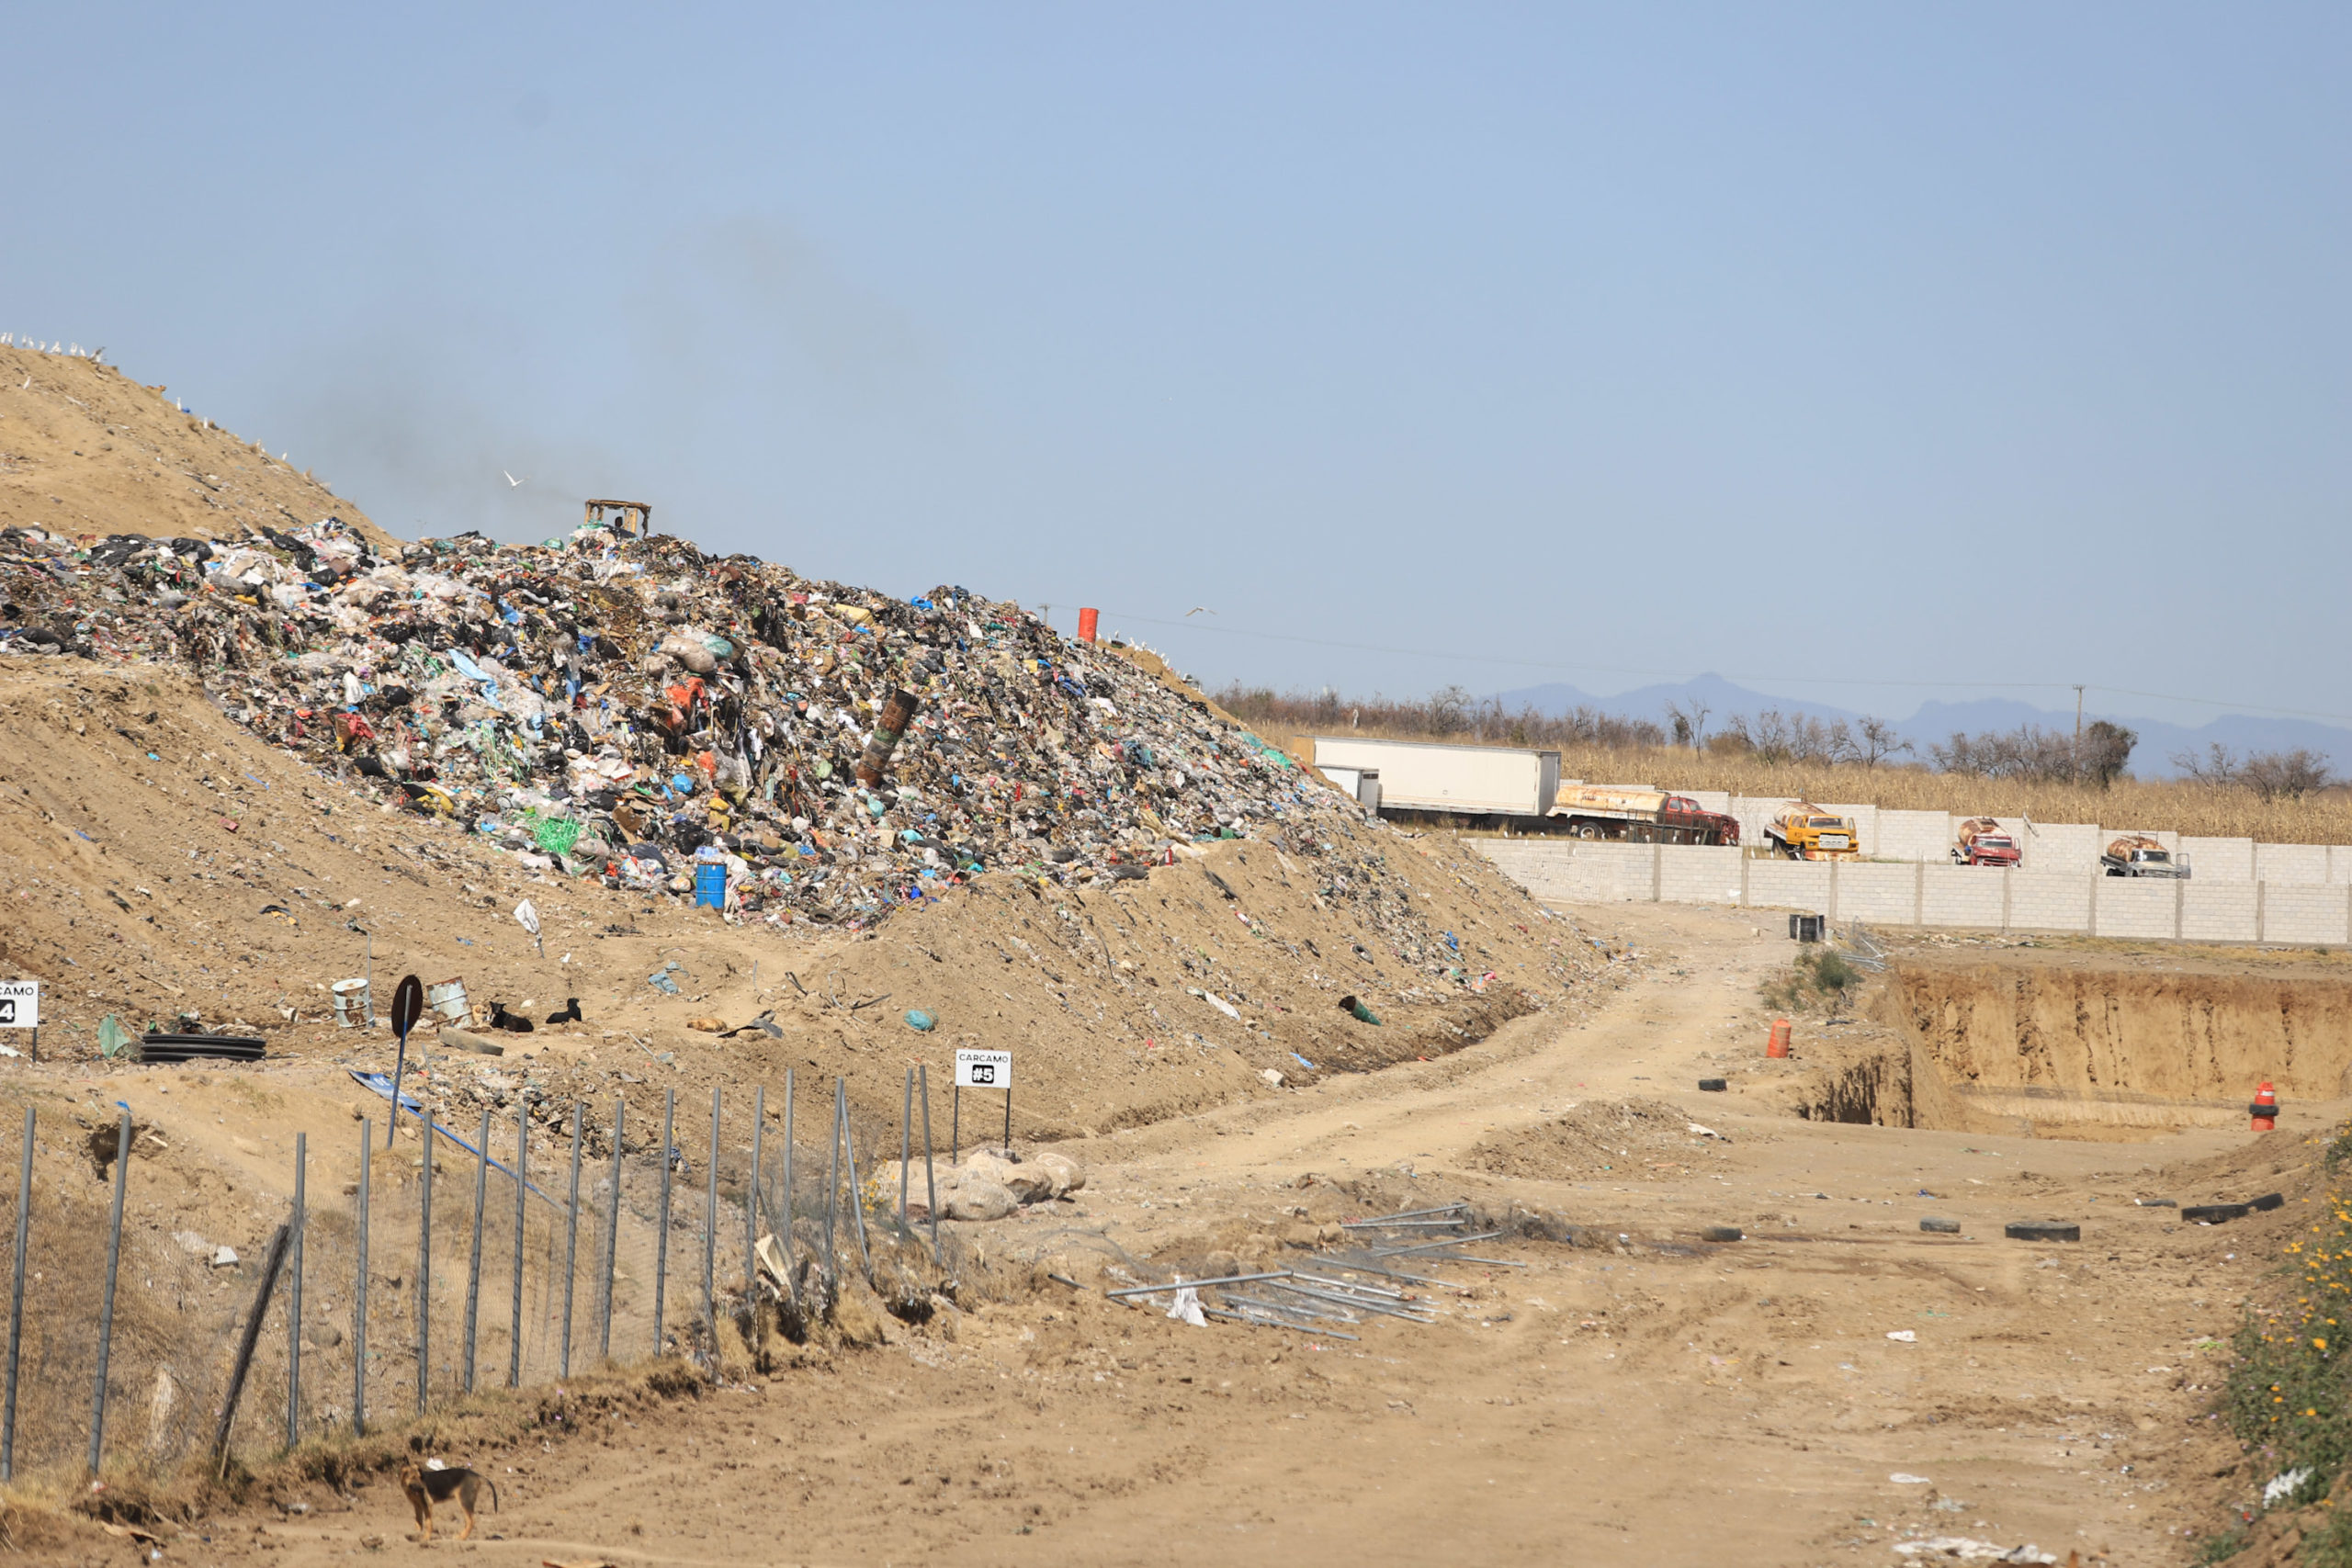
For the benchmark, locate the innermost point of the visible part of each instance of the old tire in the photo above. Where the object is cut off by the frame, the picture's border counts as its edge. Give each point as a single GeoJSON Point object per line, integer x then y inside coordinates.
{"type": "Point", "coordinates": [1938, 1226]}
{"type": "Point", "coordinates": [1721, 1232]}
{"type": "Point", "coordinates": [2268, 1201]}
{"type": "Point", "coordinates": [1713, 1086]}
{"type": "Point", "coordinates": [2042, 1230]}
{"type": "Point", "coordinates": [2215, 1213]}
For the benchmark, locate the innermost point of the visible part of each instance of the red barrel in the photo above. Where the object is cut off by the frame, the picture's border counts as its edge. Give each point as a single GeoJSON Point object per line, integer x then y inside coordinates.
{"type": "Point", "coordinates": [1777, 1043]}
{"type": "Point", "coordinates": [1086, 619]}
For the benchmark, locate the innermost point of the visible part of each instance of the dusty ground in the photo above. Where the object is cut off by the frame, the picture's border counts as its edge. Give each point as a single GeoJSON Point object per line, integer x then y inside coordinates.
{"type": "Point", "coordinates": [1651, 1399]}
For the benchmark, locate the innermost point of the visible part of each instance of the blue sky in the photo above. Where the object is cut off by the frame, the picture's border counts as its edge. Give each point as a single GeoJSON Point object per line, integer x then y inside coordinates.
{"type": "Point", "coordinates": [1955, 349]}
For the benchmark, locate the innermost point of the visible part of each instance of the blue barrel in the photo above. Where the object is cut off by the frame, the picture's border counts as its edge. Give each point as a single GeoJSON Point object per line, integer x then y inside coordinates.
{"type": "Point", "coordinates": [710, 885]}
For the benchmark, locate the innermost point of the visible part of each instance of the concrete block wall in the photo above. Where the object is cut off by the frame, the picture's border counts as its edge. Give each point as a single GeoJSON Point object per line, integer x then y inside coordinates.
{"type": "Point", "coordinates": [2218, 912]}
{"type": "Point", "coordinates": [2049, 900]}
{"type": "Point", "coordinates": [1930, 894]}
{"type": "Point", "coordinates": [2134, 906]}
{"type": "Point", "coordinates": [1912, 836]}
{"type": "Point", "coordinates": [2289, 862]}
{"type": "Point", "coordinates": [2228, 860]}
{"type": "Point", "coordinates": [1882, 894]}
{"type": "Point", "coordinates": [2303, 913]}
{"type": "Point", "coordinates": [1961, 896]}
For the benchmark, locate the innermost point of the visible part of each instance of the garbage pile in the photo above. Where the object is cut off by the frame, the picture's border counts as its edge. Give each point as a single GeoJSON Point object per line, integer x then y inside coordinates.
{"type": "Point", "coordinates": [633, 710]}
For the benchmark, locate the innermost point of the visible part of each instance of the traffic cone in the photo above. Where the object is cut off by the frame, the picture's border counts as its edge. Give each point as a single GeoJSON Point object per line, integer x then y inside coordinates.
{"type": "Point", "coordinates": [2264, 1108]}
{"type": "Point", "coordinates": [1778, 1044]}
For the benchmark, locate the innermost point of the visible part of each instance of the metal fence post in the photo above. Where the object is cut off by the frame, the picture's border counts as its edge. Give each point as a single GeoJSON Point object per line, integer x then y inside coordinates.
{"type": "Point", "coordinates": [423, 1258]}
{"type": "Point", "coordinates": [662, 1223]}
{"type": "Point", "coordinates": [16, 1305]}
{"type": "Point", "coordinates": [294, 1296]}
{"type": "Point", "coordinates": [849, 1162]}
{"type": "Point", "coordinates": [710, 1236]}
{"type": "Point", "coordinates": [359, 1295]}
{"type": "Point", "coordinates": [105, 1309]}
{"type": "Point", "coordinates": [930, 1175]}
{"type": "Point", "coordinates": [570, 1244]}
{"type": "Point", "coordinates": [906, 1147]}
{"type": "Point", "coordinates": [473, 1264]}
{"type": "Point", "coordinates": [752, 1201]}
{"type": "Point", "coordinates": [612, 1236]}
{"type": "Point", "coordinates": [832, 1186]}
{"type": "Point", "coordinates": [791, 1277]}
{"type": "Point", "coordinates": [522, 1188]}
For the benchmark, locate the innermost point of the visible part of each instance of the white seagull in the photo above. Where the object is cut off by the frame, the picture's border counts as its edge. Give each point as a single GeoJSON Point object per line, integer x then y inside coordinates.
{"type": "Point", "coordinates": [512, 482]}
{"type": "Point", "coordinates": [1198, 610]}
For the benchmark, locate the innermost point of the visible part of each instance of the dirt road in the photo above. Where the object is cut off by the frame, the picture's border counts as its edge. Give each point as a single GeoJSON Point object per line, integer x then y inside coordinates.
{"type": "Point", "coordinates": [1833, 1385]}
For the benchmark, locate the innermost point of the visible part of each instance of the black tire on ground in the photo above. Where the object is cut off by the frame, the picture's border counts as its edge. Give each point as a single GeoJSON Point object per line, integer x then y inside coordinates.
{"type": "Point", "coordinates": [1713, 1086]}
{"type": "Point", "coordinates": [2214, 1214]}
{"type": "Point", "coordinates": [2268, 1201]}
{"type": "Point", "coordinates": [1721, 1232]}
{"type": "Point", "coordinates": [1940, 1226]}
{"type": "Point", "coordinates": [2042, 1230]}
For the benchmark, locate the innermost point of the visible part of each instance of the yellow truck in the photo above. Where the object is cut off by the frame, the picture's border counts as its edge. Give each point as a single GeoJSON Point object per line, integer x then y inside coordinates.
{"type": "Point", "coordinates": [1805, 831]}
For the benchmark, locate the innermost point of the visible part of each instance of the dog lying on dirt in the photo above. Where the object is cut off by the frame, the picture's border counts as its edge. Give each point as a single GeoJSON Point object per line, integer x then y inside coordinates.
{"type": "Point", "coordinates": [426, 1487]}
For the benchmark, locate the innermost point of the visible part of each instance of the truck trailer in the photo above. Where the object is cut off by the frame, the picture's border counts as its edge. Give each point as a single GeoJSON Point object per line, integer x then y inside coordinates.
{"type": "Point", "coordinates": [1456, 780]}
{"type": "Point", "coordinates": [2136, 854]}
{"type": "Point", "coordinates": [1639, 814]}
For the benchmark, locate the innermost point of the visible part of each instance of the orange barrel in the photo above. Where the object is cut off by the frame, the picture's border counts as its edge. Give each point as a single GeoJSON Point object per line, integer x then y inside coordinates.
{"type": "Point", "coordinates": [1086, 620]}
{"type": "Point", "coordinates": [1778, 1046]}
{"type": "Point", "coordinates": [2264, 1108]}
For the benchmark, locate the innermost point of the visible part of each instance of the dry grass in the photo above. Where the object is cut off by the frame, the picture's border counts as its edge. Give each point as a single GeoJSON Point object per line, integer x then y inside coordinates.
{"type": "Point", "coordinates": [2206, 810]}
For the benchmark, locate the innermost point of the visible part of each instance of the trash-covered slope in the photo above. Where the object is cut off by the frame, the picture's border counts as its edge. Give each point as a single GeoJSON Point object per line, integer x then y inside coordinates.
{"type": "Point", "coordinates": [626, 708]}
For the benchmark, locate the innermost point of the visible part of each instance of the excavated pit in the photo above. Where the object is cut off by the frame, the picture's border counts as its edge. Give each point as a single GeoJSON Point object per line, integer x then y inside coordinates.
{"type": "Point", "coordinates": [2088, 1044]}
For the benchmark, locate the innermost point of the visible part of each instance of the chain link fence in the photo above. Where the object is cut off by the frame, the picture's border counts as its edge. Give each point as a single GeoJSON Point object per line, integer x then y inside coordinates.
{"type": "Point", "coordinates": [539, 1242]}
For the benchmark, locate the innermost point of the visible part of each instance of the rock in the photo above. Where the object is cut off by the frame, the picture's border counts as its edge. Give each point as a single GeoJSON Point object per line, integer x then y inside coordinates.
{"type": "Point", "coordinates": [1301, 1236]}
{"type": "Point", "coordinates": [1068, 1174]}
{"type": "Point", "coordinates": [326, 1335]}
{"type": "Point", "coordinates": [708, 1025]}
{"type": "Point", "coordinates": [1221, 1265]}
{"type": "Point", "coordinates": [224, 1257]}
{"type": "Point", "coordinates": [1273, 1078]}
{"type": "Point", "coordinates": [974, 1197]}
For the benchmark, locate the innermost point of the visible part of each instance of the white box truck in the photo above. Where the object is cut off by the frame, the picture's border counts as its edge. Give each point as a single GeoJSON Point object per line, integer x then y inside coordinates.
{"type": "Point", "coordinates": [1460, 780]}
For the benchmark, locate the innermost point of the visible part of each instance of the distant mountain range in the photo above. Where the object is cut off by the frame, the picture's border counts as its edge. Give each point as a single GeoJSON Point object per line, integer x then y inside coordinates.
{"type": "Point", "coordinates": [1935, 721]}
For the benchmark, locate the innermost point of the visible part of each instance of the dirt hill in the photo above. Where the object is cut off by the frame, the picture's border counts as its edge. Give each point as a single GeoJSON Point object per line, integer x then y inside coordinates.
{"type": "Point", "coordinates": [85, 449]}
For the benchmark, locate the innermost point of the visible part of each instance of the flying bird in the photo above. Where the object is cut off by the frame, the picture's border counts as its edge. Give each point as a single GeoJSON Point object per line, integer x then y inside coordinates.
{"type": "Point", "coordinates": [1198, 610]}
{"type": "Point", "coordinates": [512, 482]}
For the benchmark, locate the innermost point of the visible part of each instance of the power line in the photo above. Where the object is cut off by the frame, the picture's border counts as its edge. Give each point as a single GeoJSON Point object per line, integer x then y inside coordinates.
{"type": "Point", "coordinates": [1552, 666]}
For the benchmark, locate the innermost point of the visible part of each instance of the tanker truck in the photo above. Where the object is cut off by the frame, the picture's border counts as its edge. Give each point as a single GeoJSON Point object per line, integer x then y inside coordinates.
{"type": "Point", "coordinates": [1983, 842]}
{"type": "Point", "coordinates": [2136, 854]}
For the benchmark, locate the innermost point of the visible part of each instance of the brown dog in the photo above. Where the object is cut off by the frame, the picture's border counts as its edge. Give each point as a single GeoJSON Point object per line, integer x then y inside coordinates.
{"type": "Point", "coordinates": [426, 1487]}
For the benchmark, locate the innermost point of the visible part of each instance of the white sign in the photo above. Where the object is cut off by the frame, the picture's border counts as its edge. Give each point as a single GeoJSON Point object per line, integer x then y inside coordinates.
{"type": "Point", "coordinates": [983, 1069]}
{"type": "Point", "coordinates": [20, 1005]}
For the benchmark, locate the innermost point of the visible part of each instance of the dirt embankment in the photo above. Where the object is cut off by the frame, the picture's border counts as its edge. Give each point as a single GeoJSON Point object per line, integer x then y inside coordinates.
{"type": "Point", "coordinates": [85, 449]}
{"type": "Point", "coordinates": [2179, 1032]}
{"type": "Point", "coordinates": [160, 860]}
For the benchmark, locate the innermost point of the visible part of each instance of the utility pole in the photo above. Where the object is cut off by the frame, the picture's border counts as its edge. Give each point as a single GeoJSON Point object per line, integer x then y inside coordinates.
{"type": "Point", "coordinates": [2078, 733]}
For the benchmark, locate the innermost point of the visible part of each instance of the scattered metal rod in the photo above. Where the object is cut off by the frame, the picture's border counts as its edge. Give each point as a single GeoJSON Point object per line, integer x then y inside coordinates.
{"type": "Point", "coordinates": [1383, 1273]}
{"type": "Point", "coordinates": [1401, 1224]}
{"type": "Point", "coordinates": [1323, 1314]}
{"type": "Point", "coordinates": [1193, 1284]}
{"type": "Point", "coordinates": [1353, 1304]}
{"type": "Point", "coordinates": [1258, 1322]}
{"type": "Point", "coordinates": [1457, 1207]}
{"type": "Point", "coordinates": [1350, 1285]}
{"type": "Point", "coordinates": [1065, 1279]}
{"type": "Point", "coordinates": [1432, 1246]}
{"type": "Point", "coordinates": [1495, 1262]}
